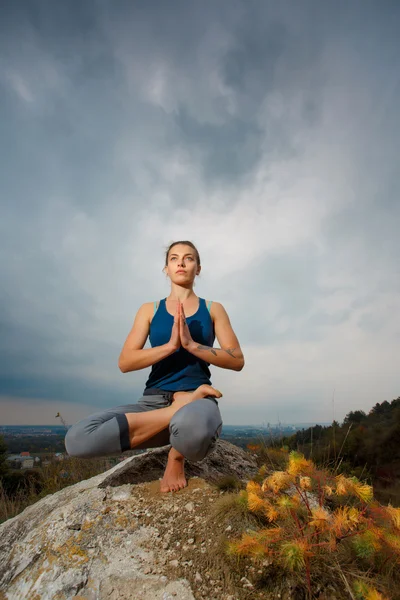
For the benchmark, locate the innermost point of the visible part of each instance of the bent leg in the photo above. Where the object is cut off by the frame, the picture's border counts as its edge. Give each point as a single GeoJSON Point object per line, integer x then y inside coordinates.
{"type": "Point", "coordinates": [107, 432]}
{"type": "Point", "coordinates": [195, 428]}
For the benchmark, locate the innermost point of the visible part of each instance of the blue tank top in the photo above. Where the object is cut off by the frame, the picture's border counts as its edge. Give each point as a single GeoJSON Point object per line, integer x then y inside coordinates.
{"type": "Point", "coordinates": [181, 371]}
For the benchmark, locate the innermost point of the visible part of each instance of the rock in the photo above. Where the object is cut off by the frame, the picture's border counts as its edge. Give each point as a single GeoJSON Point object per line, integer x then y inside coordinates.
{"type": "Point", "coordinates": [224, 459]}
{"type": "Point", "coordinates": [246, 582]}
{"type": "Point", "coordinates": [89, 540]}
{"type": "Point", "coordinates": [174, 563]}
{"type": "Point", "coordinates": [122, 493]}
{"type": "Point", "coordinates": [198, 577]}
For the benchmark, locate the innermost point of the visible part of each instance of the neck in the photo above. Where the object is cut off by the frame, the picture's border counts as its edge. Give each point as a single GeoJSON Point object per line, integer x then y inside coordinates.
{"type": "Point", "coordinates": [181, 293]}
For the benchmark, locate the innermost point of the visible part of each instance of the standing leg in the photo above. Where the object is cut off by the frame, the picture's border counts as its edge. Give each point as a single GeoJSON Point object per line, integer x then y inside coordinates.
{"type": "Point", "coordinates": [193, 434]}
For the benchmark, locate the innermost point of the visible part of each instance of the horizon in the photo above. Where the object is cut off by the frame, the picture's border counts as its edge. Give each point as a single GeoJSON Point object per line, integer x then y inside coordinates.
{"type": "Point", "coordinates": [272, 425]}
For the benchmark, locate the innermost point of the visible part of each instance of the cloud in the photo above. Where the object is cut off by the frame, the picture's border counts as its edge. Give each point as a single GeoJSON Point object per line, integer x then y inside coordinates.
{"type": "Point", "coordinates": [267, 134]}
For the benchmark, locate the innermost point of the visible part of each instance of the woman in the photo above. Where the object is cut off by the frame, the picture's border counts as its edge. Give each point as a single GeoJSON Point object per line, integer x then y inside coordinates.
{"type": "Point", "coordinates": [179, 405]}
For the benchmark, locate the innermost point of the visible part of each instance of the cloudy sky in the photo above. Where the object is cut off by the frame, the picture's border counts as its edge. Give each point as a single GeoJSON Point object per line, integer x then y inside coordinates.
{"type": "Point", "coordinates": [265, 132]}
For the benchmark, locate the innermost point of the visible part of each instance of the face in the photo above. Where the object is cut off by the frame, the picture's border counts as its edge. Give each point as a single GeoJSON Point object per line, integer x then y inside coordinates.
{"type": "Point", "coordinates": [182, 264]}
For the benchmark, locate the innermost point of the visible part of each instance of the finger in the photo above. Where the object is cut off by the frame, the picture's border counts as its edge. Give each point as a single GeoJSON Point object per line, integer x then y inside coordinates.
{"type": "Point", "coordinates": [182, 319]}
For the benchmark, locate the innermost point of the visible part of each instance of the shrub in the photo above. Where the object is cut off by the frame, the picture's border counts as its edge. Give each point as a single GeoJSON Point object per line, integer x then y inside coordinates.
{"type": "Point", "coordinates": [312, 520]}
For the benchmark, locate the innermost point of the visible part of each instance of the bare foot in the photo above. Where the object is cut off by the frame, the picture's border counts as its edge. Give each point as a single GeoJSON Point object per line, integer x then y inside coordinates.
{"type": "Point", "coordinates": [182, 398]}
{"type": "Point", "coordinates": [174, 477]}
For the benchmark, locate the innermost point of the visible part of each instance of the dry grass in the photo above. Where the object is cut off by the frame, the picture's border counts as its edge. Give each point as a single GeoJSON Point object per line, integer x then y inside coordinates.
{"type": "Point", "coordinates": [229, 483]}
{"type": "Point", "coordinates": [49, 479]}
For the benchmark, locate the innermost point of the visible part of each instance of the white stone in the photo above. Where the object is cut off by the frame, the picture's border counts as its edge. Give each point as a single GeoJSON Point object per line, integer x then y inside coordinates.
{"type": "Point", "coordinates": [43, 556]}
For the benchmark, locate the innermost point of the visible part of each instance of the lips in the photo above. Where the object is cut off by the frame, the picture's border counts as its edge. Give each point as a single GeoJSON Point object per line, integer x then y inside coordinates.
{"type": "Point", "coordinates": [181, 271]}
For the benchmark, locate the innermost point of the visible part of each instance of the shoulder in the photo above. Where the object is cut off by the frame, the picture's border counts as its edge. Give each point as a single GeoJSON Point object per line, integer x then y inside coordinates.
{"type": "Point", "coordinates": [217, 311]}
{"type": "Point", "coordinates": [146, 310]}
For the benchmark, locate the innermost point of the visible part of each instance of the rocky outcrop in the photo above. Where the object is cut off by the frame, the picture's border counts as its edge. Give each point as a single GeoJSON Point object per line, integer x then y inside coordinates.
{"type": "Point", "coordinates": [115, 536]}
{"type": "Point", "coordinates": [226, 459]}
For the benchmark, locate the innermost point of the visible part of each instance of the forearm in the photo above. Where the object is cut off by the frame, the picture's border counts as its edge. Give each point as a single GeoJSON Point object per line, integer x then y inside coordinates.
{"type": "Point", "coordinates": [134, 360]}
{"type": "Point", "coordinates": [229, 358]}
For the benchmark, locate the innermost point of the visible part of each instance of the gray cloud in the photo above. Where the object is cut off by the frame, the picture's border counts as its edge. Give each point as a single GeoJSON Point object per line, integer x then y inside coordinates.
{"type": "Point", "coordinates": [266, 132]}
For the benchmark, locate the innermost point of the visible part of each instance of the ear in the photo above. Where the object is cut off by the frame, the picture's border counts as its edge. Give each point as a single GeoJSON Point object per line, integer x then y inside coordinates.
{"type": "Point", "coordinates": [198, 270]}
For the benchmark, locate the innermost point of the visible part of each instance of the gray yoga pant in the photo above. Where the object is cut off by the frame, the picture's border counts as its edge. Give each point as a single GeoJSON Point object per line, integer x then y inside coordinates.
{"type": "Point", "coordinates": [192, 431]}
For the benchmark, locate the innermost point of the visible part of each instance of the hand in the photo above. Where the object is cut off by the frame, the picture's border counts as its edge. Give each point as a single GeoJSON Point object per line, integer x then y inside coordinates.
{"type": "Point", "coordinates": [186, 338]}
{"type": "Point", "coordinates": [175, 340]}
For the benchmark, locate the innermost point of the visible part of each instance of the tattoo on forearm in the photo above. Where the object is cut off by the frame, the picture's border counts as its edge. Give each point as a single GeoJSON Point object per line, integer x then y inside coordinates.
{"type": "Point", "coordinates": [230, 351]}
{"type": "Point", "coordinates": [200, 347]}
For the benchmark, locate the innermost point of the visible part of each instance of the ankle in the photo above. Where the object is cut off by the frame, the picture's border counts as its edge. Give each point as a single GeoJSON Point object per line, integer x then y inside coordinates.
{"type": "Point", "coordinates": [179, 395]}
{"type": "Point", "coordinates": [175, 455]}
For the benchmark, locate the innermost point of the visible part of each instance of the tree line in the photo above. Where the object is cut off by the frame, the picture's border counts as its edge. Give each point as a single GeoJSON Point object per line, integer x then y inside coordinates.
{"type": "Point", "coordinates": [365, 444]}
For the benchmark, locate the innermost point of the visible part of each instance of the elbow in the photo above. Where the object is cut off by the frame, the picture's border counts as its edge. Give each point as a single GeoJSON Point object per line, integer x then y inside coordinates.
{"type": "Point", "coordinates": [122, 365]}
{"type": "Point", "coordinates": [125, 368]}
{"type": "Point", "coordinates": [240, 366]}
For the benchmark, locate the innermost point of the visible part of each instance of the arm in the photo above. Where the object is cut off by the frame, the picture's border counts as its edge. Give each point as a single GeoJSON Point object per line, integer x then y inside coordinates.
{"type": "Point", "coordinates": [133, 357]}
{"type": "Point", "coordinates": [230, 355]}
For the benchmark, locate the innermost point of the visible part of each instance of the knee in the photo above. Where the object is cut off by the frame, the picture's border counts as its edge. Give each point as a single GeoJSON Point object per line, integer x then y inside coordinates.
{"type": "Point", "coordinates": [75, 444]}
{"type": "Point", "coordinates": [194, 441]}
